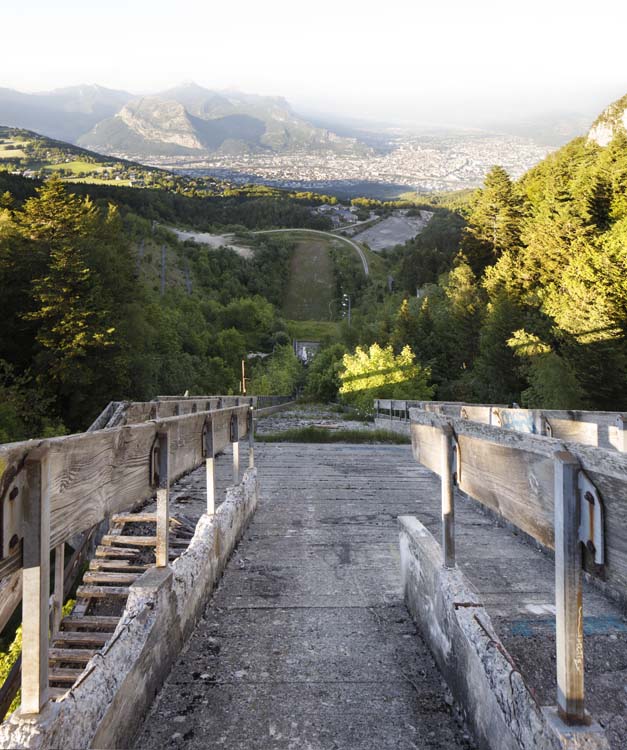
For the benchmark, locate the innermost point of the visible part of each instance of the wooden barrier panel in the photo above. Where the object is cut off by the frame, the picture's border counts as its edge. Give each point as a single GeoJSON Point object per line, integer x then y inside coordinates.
{"type": "Point", "coordinates": [92, 475]}
{"type": "Point", "coordinates": [600, 428]}
{"type": "Point", "coordinates": [513, 474]}
{"type": "Point", "coordinates": [476, 412]}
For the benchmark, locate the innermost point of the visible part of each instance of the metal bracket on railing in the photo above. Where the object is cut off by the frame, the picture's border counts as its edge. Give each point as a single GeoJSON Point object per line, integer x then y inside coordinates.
{"type": "Point", "coordinates": [9, 491]}
{"type": "Point", "coordinates": [591, 518]}
{"type": "Point", "coordinates": [456, 463]}
{"type": "Point", "coordinates": [207, 439]}
{"type": "Point", "coordinates": [234, 428]}
{"type": "Point", "coordinates": [155, 462]}
{"type": "Point", "coordinates": [545, 427]}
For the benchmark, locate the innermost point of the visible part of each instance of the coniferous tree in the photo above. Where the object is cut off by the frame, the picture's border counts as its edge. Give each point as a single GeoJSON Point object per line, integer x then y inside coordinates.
{"type": "Point", "coordinates": [494, 221]}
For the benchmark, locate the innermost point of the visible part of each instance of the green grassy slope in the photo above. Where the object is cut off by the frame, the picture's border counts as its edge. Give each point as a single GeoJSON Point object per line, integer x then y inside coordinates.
{"type": "Point", "coordinates": [310, 289]}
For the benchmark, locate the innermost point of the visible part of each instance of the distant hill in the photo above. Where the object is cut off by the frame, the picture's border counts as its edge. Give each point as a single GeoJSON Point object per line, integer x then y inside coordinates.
{"type": "Point", "coordinates": [182, 121]}
{"type": "Point", "coordinates": [65, 113]}
{"type": "Point", "coordinates": [24, 152]}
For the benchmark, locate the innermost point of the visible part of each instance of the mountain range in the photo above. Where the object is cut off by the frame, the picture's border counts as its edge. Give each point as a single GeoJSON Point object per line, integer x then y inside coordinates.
{"type": "Point", "coordinates": [187, 120]}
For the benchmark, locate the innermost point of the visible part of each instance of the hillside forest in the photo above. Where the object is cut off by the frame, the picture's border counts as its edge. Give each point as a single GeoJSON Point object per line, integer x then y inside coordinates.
{"type": "Point", "coordinates": [515, 292]}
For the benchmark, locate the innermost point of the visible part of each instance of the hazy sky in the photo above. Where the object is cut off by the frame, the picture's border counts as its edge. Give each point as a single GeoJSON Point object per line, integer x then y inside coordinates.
{"type": "Point", "coordinates": [439, 61]}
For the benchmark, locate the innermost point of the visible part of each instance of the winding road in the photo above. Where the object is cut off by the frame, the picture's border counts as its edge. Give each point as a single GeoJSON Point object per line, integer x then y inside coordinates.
{"type": "Point", "coordinates": [354, 245]}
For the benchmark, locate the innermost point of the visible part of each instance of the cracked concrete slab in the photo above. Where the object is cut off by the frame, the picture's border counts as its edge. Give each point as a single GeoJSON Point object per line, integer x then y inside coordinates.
{"type": "Point", "coordinates": [306, 642]}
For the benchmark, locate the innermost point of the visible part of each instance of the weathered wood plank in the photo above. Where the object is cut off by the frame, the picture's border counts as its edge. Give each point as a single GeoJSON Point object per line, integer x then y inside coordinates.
{"type": "Point", "coordinates": [65, 676]}
{"type": "Point", "coordinates": [10, 597]}
{"type": "Point", "coordinates": [79, 655]}
{"type": "Point", "coordinates": [108, 551]}
{"type": "Point", "coordinates": [425, 444]}
{"type": "Point", "coordinates": [119, 565]}
{"type": "Point", "coordinates": [134, 518]}
{"type": "Point", "coordinates": [89, 621]}
{"type": "Point", "coordinates": [101, 592]}
{"type": "Point", "coordinates": [109, 577]}
{"type": "Point", "coordinates": [516, 483]}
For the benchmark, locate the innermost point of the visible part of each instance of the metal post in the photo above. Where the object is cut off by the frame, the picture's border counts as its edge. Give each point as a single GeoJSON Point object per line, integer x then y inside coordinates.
{"type": "Point", "coordinates": [235, 443]}
{"type": "Point", "coordinates": [35, 585]}
{"type": "Point", "coordinates": [621, 426]}
{"type": "Point", "coordinates": [210, 467]}
{"type": "Point", "coordinates": [448, 497]}
{"type": "Point", "coordinates": [59, 580]}
{"type": "Point", "coordinates": [568, 592]}
{"type": "Point", "coordinates": [162, 556]}
{"type": "Point", "coordinates": [251, 438]}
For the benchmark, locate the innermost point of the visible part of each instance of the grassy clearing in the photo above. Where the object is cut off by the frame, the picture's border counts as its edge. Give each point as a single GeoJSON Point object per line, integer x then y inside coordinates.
{"type": "Point", "coordinates": [77, 167]}
{"type": "Point", "coordinates": [313, 330]}
{"type": "Point", "coordinates": [310, 288]}
{"type": "Point", "coordinates": [12, 153]}
{"type": "Point", "coordinates": [313, 434]}
{"type": "Point", "coordinates": [98, 181]}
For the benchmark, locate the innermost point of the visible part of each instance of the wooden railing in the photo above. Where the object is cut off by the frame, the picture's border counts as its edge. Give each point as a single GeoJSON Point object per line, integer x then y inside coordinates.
{"type": "Point", "coordinates": [604, 429]}
{"type": "Point", "coordinates": [570, 497]}
{"type": "Point", "coordinates": [119, 413]}
{"type": "Point", "coordinates": [51, 490]}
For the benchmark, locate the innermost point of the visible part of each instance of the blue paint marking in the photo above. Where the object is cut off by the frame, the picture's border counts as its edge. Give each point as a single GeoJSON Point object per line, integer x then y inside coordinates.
{"type": "Point", "coordinates": [518, 421]}
{"type": "Point", "coordinates": [603, 625]}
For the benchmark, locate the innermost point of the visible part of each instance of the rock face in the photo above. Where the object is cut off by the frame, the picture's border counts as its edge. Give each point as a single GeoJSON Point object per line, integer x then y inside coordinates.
{"type": "Point", "coordinates": [158, 120]}
{"type": "Point", "coordinates": [610, 122]}
{"type": "Point", "coordinates": [189, 119]}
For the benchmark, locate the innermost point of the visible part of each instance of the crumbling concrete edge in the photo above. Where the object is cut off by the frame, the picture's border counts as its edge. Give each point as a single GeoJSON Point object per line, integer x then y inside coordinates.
{"type": "Point", "coordinates": [105, 707]}
{"type": "Point", "coordinates": [490, 691]}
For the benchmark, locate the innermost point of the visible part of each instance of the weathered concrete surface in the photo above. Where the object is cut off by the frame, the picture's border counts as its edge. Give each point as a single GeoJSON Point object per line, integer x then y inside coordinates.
{"type": "Point", "coordinates": [306, 642]}
{"type": "Point", "coordinates": [103, 708]}
{"type": "Point", "coordinates": [306, 415]}
{"type": "Point", "coordinates": [496, 701]}
{"type": "Point", "coordinates": [393, 425]}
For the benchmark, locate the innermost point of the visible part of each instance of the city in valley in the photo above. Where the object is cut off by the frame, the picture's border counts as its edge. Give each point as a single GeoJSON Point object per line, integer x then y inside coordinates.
{"type": "Point", "coordinates": [424, 163]}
